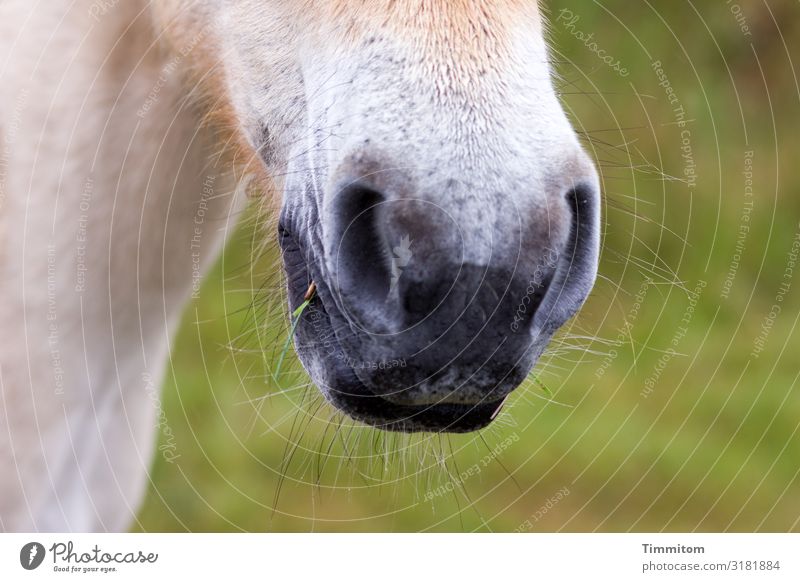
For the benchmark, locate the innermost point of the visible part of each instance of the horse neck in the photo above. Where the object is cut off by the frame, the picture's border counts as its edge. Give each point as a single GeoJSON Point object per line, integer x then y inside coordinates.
{"type": "Point", "coordinates": [110, 211]}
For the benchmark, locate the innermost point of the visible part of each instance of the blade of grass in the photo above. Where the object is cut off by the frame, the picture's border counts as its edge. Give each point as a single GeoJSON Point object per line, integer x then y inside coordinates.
{"type": "Point", "coordinates": [296, 315]}
{"type": "Point", "coordinates": [543, 387]}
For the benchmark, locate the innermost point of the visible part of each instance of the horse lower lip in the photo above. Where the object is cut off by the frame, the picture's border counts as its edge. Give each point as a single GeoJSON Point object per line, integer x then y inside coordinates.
{"type": "Point", "coordinates": [432, 400]}
{"type": "Point", "coordinates": [440, 417]}
{"type": "Point", "coordinates": [383, 414]}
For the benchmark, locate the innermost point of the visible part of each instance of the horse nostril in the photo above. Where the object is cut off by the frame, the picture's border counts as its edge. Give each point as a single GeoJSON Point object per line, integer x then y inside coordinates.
{"type": "Point", "coordinates": [582, 243]}
{"type": "Point", "coordinates": [577, 264]}
{"type": "Point", "coordinates": [361, 256]}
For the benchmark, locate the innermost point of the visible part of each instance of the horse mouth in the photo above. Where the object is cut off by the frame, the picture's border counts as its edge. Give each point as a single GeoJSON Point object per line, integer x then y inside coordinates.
{"type": "Point", "coordinates": [319, 349]}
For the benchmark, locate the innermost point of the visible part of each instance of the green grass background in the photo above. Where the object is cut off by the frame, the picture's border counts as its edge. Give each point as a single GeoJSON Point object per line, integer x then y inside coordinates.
{"type": "Point", "coordinates": [715, 446]}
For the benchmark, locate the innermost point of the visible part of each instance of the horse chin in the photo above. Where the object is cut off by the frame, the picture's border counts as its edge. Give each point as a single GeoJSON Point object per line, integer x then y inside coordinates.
{"type": "Point", "coordinates": [321, 353]}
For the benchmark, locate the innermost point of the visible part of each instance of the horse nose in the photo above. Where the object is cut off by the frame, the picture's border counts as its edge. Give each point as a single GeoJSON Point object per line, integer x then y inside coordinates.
{"type": "Point", "coordinates": [402, 258]}
{"type": "Point", "coordinates": [403, 261]}
{"type": "Point", "coordinates": [462, 283]}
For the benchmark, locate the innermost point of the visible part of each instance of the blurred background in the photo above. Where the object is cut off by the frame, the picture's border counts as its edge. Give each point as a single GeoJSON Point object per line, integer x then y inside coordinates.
{"type": "Point", "coordinates": [671, 401]}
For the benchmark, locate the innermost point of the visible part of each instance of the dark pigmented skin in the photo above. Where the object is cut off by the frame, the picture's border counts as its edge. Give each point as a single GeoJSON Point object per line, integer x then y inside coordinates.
{"type": "Point", "coordinates": [448, 347]}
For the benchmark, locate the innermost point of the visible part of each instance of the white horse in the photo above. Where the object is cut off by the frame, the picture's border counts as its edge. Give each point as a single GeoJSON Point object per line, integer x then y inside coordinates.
{"type": "Point", "coordinates": [429, 126]}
